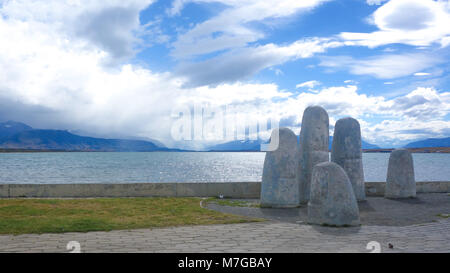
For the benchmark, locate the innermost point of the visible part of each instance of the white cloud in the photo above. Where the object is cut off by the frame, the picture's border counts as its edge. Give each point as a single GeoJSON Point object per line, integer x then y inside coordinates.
{"type": "Point", "coordinates": [384, 66]}
{"type": "Point", "coordinates": [421, 74]}
{"type": "Point", "coordinates": [309, 84]}
{"type": "Point", "coordinates": [375, 2]}
{"type": "Point", "coordinates": [277, 71]}
{"type": "Point", "coordinates": [400, 132]}
{"type": "Point", "coordinates": [113, 26]}
{"type": "Point", "coordinates": [421, 104]}
{"type": "Point", "coordinates": [242, 63]}
{"type": "Point", "coordinates": [411, 22]}
{"type": "Point", "coordinates": [341, 100]}
{"type": "Point", "coordinates": [229, 29]}
{"type": "Point", "coordinates": [419, 114]}
{"type": "Point", "coordinates": [351, 82]}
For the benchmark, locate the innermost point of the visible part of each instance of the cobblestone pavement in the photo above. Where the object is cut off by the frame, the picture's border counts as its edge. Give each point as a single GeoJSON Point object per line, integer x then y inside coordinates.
{"type": "Point", "coordinates": [409, 225]}
{"type": "Point", "coordinates": [267, 236]}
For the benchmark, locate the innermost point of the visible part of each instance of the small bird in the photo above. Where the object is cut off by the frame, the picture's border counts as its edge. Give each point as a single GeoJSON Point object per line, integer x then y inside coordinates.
{"type": "Point", "coordinates": [391, 246]}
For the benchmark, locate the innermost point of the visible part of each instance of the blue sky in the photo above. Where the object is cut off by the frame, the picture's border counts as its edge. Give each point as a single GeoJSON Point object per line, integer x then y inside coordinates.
{"type": "Point", "coordinates": [121, 68]}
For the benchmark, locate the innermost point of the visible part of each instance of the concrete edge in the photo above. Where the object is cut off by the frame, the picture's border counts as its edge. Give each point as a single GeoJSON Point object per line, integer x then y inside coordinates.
{"type": "Point", "coordinates": [4, 190]}
{"type": "Point", "coordinates": [239, 190]}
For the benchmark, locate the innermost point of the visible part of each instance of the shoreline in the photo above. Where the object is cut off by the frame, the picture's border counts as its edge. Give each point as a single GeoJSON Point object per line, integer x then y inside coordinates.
{"type": "Point", "coordinates": [430, 150]}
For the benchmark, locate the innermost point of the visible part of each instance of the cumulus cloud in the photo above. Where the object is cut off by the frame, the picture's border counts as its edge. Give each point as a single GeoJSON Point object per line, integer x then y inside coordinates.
{"type": "Point", "coordinates": [113, 26]}
{"type": "Point", "coordinates": [419, 114]}
{"type": "Point", "coordinates": [411, 22]}
{"type": "Point", "coordinates": [61, 78]}
{"type": "Point", "coordinates": [421, 104]}
{"type": "Point", "coordinates": [400, 132]}
{"type": "Point", "coordinates": [422, 110]}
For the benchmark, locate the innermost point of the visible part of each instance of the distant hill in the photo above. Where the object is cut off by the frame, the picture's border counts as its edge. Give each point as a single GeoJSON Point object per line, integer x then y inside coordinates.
{"type": "Point", "coordinates": [16, 135]}
{"type": "Point", "coordinates": [368, 146]}
{"type": "Point", "coordinates": [430, 143]}
{"type": "Point", "coordinates": [116, 136]}
{"type": "Point", "coordinates": [238, 145]}
{"type": "Point", "coordinates": [10, 128]}
{"type": "Point", "coordinates": [254, 145]}
{"type": "Point", "coordinates": [365, 145]}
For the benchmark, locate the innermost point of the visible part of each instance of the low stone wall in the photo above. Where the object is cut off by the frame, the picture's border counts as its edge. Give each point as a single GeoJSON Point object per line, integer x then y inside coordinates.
{"type": "Point", "coordinates": [232, 190]}
{"type": "Point", "coordinates": [228, 190]}
{"type": "Point", "coordinates": [377, 189]}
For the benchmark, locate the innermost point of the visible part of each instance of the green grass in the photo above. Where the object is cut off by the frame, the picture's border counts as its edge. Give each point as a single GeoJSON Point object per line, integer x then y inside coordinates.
{"type": "Point", "coordinates": [22, 216]}
{"type": "Point", "coordinates": [232, 203]}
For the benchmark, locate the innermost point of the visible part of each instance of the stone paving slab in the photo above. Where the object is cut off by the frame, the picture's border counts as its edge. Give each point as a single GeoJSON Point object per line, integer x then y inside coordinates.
{"type": "Point", "coordinates": [267, 236]}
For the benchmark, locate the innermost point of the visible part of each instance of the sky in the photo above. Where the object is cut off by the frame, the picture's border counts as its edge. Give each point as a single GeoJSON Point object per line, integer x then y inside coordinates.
{"type": "Point", "coordinates": [123, 68]}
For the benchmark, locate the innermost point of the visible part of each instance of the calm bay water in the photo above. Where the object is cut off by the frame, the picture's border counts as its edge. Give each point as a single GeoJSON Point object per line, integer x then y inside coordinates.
{"type": "Point", "coordinates": [55, 168]}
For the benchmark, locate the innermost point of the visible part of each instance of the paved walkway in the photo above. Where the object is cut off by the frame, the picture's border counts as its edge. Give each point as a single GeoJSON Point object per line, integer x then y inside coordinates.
{"type": "Point", "coordinates": [254, 237]}
{"type": "Point", "coordinates": [409, 225]}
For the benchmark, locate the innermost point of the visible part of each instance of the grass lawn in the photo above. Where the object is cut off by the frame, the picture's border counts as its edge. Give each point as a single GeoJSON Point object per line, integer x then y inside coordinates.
{"type": "Point", "coordinates": [232, 203]}
{"type": "Point", "coordinates": [21, 216]}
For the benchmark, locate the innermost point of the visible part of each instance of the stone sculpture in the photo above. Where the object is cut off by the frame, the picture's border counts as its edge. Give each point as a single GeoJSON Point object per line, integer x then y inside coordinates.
{"type": "Point", "coordinates": [347, 152]}
{"type": "Point", "coordinates": [313, 147]}
{"type": "Point", "coordinates": [400, 182]}
{"type": "Point", "coordinates": [279, 186]}
{"type": "Point", "coordinates": [332, 201]}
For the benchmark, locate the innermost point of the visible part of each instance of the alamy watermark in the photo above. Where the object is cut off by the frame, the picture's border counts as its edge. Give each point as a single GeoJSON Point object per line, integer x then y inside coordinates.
{"type": "Point", "coordinates": [374, 246]}
{"type": "Point", "coordinates": [203, 122]}
{"type": "Point", "coordinates": [73, 247]}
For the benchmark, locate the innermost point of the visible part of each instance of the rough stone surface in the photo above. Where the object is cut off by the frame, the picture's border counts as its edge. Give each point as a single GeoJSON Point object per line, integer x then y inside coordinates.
{"type": "Point", "coordinates": [400, 182]}
{"type": "Point", "coordinates": [313, 147]}
{"type": "Point", "coordinates": [279, 186]}
{"type": "Point", "coordinates": [332, 199]}
{"type": "Point", "coordinates": [347, 153]}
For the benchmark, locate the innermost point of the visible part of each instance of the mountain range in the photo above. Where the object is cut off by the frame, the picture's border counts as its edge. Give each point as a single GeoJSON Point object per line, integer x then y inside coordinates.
{"type": "Point", "coordinates": [430, 143]}
{"type": "Point", "coordinates": [16, 135]}
{"type": "Point", "coordinates": [254, 145]}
